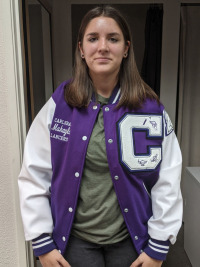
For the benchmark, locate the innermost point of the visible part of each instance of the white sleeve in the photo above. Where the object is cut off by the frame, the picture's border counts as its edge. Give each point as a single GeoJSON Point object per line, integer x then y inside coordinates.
{"type": "Point", "coordinates": [166, 195]}
{"type": "Point", "coordinates": [35, 176]}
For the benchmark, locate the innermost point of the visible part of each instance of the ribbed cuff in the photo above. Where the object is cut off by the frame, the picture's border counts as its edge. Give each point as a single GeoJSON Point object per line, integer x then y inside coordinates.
{"type": "Point", "coordinates": [43, 244]}
{"type": "Point", "coordinates": [157, 249]}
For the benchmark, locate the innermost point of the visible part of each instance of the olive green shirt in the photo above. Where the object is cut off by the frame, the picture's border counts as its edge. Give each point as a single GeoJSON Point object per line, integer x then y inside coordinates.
{"type": "Point", "coordinates": [98, 217]}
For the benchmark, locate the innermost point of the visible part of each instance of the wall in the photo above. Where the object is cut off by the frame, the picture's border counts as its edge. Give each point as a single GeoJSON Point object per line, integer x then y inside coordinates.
{"type": "Point", "coordinates": [13, 248]}
{"type": "Point", "coordinates": [12, 245]}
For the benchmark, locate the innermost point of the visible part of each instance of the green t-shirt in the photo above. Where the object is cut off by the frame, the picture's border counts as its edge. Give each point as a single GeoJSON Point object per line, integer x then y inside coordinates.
{"type": "Point", "coordinates": [98, 217]}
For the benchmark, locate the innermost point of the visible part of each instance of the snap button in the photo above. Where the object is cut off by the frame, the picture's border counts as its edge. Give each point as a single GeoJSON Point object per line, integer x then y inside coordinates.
{"type": "Point", "coordinates": [70, 209]}
{"type": "Point", "coordinates": [76, 174]}
{"type": "Point", "coordinates": [126, 210]}
{"type": "Point", "coordinates": [63, 238]}
{"type": "Point", "coordinates": [59, 251]}
{"type": "Point", "coordinates": [110, 141]}
{"type": "Point", "coordinates": [116, 177]}
{"type": "Point", "coordinates": [107, 109]}
{"type": "Point", "coordinates": [84, 138]}
{"type": "Point", "coordinates": [94, 107]}
{"type": "Point", "coordinates": [136, 237]}
{"type": "Point", "coordinates": [141, 251]}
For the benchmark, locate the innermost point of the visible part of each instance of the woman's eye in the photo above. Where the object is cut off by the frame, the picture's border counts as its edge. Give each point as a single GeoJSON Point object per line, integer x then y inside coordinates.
{"type": "Point", "coordinates": [113, 40]}
{"type": "Point", "coordinates": [93, 39]}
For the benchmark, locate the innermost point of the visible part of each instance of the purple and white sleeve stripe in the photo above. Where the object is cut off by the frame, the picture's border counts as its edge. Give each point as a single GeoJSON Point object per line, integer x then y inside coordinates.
{"type": "Point", "coordinates": [157, 249]}
{"type": "Point", "coordinates": [43, 244]}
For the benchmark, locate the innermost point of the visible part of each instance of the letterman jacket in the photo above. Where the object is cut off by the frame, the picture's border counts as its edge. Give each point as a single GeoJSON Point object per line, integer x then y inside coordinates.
{"type": "Point", "coordinates": [144, 161]}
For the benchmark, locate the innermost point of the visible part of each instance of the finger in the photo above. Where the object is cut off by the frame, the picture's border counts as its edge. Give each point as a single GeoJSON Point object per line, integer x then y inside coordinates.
{"type": "Point", "coordinates": [63, 262]}
{"type": "Point", "coordinates": [137, 262]}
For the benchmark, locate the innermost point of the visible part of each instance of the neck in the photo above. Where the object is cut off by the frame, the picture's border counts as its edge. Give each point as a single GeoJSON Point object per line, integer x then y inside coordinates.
{"type": "Point", "coordinates": [104, 85]}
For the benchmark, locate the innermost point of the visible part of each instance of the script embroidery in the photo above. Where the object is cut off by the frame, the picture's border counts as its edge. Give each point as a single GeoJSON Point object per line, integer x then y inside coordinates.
{"type": "Point", "coordinates": [61, 129]}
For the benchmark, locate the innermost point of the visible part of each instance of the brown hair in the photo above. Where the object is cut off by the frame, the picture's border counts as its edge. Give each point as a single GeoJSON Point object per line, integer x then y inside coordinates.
{"type": "Point", "coordinates": [133, 89]}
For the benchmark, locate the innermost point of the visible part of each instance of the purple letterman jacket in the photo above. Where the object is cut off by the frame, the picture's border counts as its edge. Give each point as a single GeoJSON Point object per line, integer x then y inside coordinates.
{"type": "Point", "coordinates": [144, 161]}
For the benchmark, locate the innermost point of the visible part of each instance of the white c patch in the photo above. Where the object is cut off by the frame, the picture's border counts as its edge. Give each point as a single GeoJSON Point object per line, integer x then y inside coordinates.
{"type": "Point", "coordinates": [169, 126]}
{"type": "Point", "coordinates": [153, 125]}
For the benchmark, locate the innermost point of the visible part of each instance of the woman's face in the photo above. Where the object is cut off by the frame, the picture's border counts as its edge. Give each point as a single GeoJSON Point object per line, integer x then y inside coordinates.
{"type": "Point", "coordinates": [103, 47]}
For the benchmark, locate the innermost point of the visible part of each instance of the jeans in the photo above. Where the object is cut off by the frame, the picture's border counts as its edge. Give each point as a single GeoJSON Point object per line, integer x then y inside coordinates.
{"type": "Point", "coordinates": [80, 253]}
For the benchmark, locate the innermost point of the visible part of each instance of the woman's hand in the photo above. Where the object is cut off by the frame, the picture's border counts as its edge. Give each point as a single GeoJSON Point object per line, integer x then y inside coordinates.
{"type": "Point", "coordinates": [145, 261]}
{"type": "Point", "coordinates": [53, 259]}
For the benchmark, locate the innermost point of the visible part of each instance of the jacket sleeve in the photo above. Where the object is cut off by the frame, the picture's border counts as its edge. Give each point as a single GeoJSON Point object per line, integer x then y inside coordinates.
{"type": "Point", "coordinates": [35, 180]}
{"type": "Point", "coordinates": [167, 208]}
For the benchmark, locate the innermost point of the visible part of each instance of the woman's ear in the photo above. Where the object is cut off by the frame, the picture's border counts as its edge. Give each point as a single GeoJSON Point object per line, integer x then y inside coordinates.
{"type": "Point", "coordinates": [80, 48]}
{"type": "Point", "coordinates": [127, 46]}
{"type": "Point", "coordinates": [126, 49]}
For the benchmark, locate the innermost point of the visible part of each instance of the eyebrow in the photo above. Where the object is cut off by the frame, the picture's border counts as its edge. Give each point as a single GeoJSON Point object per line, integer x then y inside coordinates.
{"type": "Point", "coordinates": [113, 33]}
{"type": "Point", "coordinates": [96, 33]}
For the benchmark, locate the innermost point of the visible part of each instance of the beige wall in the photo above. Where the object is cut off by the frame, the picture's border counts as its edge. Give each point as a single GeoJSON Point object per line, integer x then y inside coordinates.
{"type": "Point", "coordinates": [12, 245]}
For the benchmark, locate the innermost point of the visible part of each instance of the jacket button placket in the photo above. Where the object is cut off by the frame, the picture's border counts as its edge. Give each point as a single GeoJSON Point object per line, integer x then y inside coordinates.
{"type": "Point", "coordinates": [70, 209]}
{"type": "Point", "coordinates": [77, 174]}
{"type": "Point", "coordinates": [116, 177]}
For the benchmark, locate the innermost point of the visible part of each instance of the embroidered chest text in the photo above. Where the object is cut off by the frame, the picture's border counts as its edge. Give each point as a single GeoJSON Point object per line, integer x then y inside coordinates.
{"type": "Point", "coordinates": [60, 129]}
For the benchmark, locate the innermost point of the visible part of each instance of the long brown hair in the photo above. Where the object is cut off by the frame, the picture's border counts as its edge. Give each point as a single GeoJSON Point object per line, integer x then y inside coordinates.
{"type": "Point", "coordinates": [133, 89]}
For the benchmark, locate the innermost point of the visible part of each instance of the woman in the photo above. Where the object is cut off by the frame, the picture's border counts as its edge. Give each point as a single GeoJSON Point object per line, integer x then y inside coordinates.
{"type": "Point", "coordinates": [104, 189]}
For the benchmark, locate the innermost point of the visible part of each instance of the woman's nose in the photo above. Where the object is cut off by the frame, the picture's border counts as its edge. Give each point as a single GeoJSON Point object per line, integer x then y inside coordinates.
{"type": "Point", "coordinates": [103, 45]}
